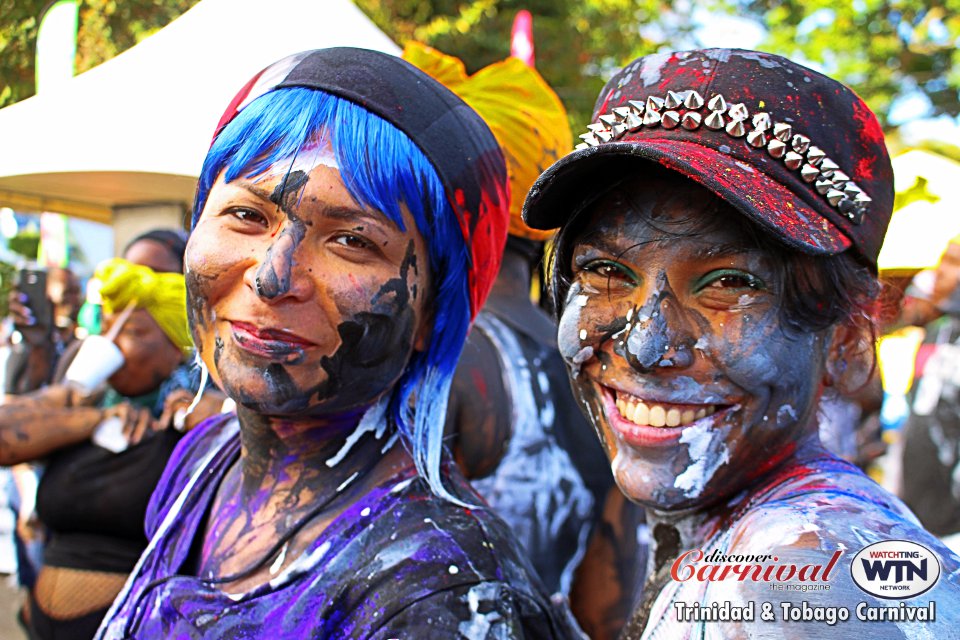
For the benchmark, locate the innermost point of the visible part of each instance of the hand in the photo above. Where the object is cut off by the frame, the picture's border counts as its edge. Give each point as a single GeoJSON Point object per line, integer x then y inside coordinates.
{"type": "Point", "coordinates": [20, 313]}
{"type": "Point", "coordinates": [137, 421]}
{"type": "Point", "coordinates": [29, 527]}
{"type": "Point", "coordinates": [179, 400]}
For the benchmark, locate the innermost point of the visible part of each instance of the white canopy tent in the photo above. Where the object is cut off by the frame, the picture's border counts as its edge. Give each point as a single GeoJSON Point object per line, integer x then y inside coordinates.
{"type": "Point", "coordinates": [135, 129]}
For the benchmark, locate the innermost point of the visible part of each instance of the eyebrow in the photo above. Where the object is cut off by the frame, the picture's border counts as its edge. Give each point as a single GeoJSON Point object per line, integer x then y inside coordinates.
{"type": "Point", "coordinates": [339, 212]}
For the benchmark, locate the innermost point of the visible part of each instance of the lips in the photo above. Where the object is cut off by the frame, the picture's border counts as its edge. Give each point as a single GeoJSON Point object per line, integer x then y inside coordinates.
{"type": "Point", "coordinates": [274, 344]}
{"type": "Point", "coordinates": [648, 423]}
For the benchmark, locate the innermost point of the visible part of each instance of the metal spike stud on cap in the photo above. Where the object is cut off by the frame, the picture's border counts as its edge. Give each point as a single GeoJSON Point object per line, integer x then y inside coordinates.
{"type": "Point", "coordinates": [757, 138]}
{"type": "Point", "coordinates": [736, 129]}
{"type": "Point", "coordinates": [582, 145]}
{"type": "Point", "coordinates": [809, 172]}
{"type": "Point", "coordinates": [673, 100]}
{"type": "Point", "coordinates": [800, 143]}
{"type": "Point", "coordinates": [834, 197]}
{"type": "Point", "coordinates": [863, 198]}
{"type": "Point", "coordinates": [637, 104]}
{"type": "Point", "coordinates": [815, 155]}
{"type": "Point", "coordinates": [622, 112]}
{"type": "Point", "coordinates": [651, 118]}
{"type": "Point", "coordinates": [776, 147]}
{"type": "Point", "coordinates": [782, 131]}
{"type": "Point", "coordinates": [838, 176]}
{"type": "Point", "coordinates": [590, 139]}
{"type": "Point", "coordinates": [827, 165]}
{"type": "Point", "coordinates": [609, 119]}
{"type": "Point", "coordinates": [793, 160]}
{"type": "Point", "coordinates": [851, 189]}
{"type": "Point", "coordinates": [670, 119]}
{"type": "Point", "coordinates": [690, 120]}
{"type": "Point", "coordinates": [714, 121]}
{"type": "Point", "coordinates": [822, 185]}
{"type": "Point", "coordinates": [761, 121]}
{"type": "Point", "coordinates": [596, 126]}
{"type": "Point", "coordinates": [693, 100]}
{"type": "Point", "coordinates": [654, 103]}
{"type": "Point", "coordinates": [633, 122]}
{"type": "Point", "coordinates": [738, 111]}
{"type": "Point", "coordinates": [717, 103]}
{"type": "Point", "coordinates": [604, 135]}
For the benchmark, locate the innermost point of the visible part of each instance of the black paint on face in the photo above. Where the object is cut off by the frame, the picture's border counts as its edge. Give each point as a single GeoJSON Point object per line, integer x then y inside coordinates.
{"type": "Point", "coordinates": [273, 278]}
{"type": "Point", "coordinates": [678, 315]}
{"type": "Point", "coordinates": [371, 341]}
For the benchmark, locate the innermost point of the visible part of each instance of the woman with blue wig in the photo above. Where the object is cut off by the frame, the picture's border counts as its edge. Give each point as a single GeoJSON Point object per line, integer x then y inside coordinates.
{"type": "Point", "coordinates": [348, 225]}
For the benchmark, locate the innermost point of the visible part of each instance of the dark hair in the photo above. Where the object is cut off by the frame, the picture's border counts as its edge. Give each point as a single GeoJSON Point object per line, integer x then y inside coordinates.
{"type": "Point", "coordinates": [816, 292]}
{"type": "Point", "coordinates": [173, 240]}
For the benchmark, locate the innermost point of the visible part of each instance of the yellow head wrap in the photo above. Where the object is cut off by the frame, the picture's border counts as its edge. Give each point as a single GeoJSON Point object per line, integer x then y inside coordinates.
{"type": "Point", "coordinates": [521, 109]}
{"type": "Point", "coordinates": [162, 295]}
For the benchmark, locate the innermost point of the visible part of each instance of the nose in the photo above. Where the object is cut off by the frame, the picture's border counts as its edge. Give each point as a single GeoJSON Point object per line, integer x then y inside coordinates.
{"type": "Point", "coordinates": [276, 275]}
{"type": "Point", "coordinates": [659, 334]}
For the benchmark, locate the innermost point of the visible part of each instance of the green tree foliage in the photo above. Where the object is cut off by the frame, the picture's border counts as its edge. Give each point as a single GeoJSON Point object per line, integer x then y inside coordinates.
{"type": "Point", "coordinates": [106, 28]}
{"type": "Point", "coordinates": [885, 49]}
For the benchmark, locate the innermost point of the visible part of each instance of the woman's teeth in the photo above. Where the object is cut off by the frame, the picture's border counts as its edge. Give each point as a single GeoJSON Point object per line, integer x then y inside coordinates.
{"type": "Point", "coordinates": [657, 415]}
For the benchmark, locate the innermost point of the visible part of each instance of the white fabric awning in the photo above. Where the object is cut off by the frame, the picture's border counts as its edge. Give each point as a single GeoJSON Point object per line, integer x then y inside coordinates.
{"type": "Point", "coordinates": [135, 129]}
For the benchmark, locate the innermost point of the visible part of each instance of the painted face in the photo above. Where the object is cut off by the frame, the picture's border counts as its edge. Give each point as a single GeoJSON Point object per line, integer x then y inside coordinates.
{"type": "Point", "coordinates": [300, 301]}
{"type": "Point", "coordinates": [149, 355]}
{"type": "Point", "coordinates": [677, 352]}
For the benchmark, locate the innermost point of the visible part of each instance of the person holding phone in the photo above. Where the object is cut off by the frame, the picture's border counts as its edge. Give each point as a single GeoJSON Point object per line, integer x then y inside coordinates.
{"type": "Point", "coordinates": [43, 309]}
{"type": "Point", "coordinates": [92, 499]}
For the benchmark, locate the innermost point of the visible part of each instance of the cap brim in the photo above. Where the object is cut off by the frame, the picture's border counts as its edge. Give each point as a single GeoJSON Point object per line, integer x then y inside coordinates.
{"type": "Point", "coordinates": [562, 188]}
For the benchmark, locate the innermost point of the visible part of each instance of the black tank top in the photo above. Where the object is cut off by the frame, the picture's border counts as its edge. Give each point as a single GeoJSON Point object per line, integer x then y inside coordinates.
{"type": "Point", "coordinates": [94, 501]}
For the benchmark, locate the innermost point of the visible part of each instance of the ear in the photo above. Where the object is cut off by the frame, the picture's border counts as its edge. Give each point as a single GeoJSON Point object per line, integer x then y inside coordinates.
{"type": "Point", "coordinates": [421, 339]}
{"type": "Point", "coordinates": [851, 357]}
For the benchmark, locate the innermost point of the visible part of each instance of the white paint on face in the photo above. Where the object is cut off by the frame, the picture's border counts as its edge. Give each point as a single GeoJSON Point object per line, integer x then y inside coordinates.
{"type": "Point", "coordinates": [707, 451]}
{"type": "Point", "coordinates": [310, 156]}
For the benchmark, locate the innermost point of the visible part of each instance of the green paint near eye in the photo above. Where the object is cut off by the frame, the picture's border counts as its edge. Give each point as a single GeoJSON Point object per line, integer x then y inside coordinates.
{"type": "Point", "coordinates": [611, 269]}
{"type": "Point", "coordinates": [746, 280]}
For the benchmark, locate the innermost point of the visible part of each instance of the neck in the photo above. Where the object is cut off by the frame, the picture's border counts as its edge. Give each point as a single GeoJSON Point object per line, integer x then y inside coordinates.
{"type": "Point", "coordinates": [677, 531]}
{"type": "Point", "coordinates": [513, 279]}
{"type": "Point", "coordinates": [312, 450]}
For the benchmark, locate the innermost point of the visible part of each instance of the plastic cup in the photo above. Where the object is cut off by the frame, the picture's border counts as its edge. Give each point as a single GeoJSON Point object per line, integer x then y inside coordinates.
{"type": "Point", "coordinates": [97, 359]}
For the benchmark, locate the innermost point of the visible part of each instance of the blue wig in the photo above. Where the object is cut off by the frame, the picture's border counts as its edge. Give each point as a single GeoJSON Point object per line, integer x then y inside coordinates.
{"type": "Point", "coordinates": [382, 169]}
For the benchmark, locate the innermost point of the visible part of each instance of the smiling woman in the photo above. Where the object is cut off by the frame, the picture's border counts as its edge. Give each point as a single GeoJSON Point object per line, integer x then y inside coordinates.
{"type": "Point", "coordinates": [715, 271]}
{"type": "Point", "coordinates": [348, 225]}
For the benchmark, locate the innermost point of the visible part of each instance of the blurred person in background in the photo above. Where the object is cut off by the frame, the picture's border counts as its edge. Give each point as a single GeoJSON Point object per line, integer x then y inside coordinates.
{"type": "Point", "coordinates": [930, 480]}
{"type": "Point", "coordinates": [41, 357]}
{"type": "Point", "coordinates": [93, 494]}
{"type": "Point", "coordinates": [515, 429]}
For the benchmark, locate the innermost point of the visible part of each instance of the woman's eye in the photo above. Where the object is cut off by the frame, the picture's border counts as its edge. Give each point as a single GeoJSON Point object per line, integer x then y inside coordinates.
{"type": "Point", "coordinates": [352, 241]}
{"type": "Point", "coordinates": [248, 215]}
{"type": "Point", "coordinates": [730, 279]}
{"type": "Point", "coordinates": [609, 270]}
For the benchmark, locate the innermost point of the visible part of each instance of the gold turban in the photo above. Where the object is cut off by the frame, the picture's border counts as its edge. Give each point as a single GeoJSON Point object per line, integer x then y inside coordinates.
{"type": "Point", "coordinates": [521, 109]}
{"type": "Point", "coordinates": [162, 295]}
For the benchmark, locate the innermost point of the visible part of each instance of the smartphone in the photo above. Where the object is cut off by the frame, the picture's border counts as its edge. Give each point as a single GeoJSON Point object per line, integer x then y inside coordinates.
{"type": "Point", "coordinates": [33, 283]}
